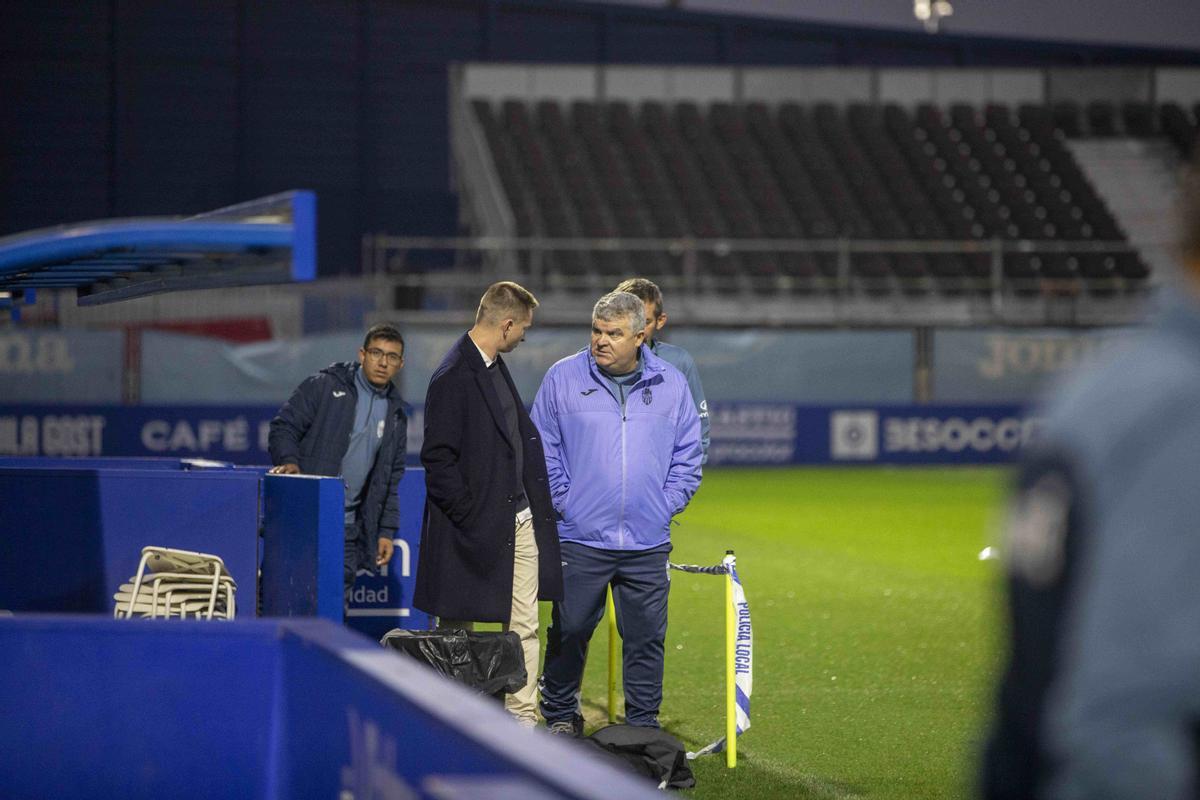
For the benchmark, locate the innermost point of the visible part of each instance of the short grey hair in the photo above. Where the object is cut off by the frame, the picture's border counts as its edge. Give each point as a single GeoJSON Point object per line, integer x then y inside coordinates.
{"type": "Point", "coordinates": [621, 307]}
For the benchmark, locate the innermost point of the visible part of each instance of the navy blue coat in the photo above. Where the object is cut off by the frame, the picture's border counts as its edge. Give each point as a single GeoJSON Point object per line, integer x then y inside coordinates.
{"type": "Point", "coordinates": [312, 430]}
{"type": "Point", "coordinates": [465, 567]}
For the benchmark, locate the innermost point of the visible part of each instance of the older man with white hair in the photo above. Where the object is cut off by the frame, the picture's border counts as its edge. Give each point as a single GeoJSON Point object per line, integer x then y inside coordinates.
{"type": "Point", "coordinates": [622, 441]}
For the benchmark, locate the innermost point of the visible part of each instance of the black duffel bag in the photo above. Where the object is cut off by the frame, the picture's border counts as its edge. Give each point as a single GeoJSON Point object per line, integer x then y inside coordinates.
{"type": "Point", "coordinates": [650, 752]}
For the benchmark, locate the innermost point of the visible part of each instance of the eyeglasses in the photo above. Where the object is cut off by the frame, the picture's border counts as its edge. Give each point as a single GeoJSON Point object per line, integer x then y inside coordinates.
{"type": "Point", "coordinates": [393, 359]}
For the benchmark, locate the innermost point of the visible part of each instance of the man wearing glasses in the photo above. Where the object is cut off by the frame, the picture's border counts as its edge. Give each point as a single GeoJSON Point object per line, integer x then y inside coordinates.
{"type": "Point", "coordinates": [348, 420]}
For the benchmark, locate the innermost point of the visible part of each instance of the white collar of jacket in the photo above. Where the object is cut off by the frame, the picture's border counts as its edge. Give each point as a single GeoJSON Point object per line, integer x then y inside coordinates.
{"type": "Point", "coordinates": [487, 362]}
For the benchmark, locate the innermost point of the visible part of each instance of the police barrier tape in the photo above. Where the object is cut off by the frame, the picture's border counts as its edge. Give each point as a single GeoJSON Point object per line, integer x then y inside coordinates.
{"type": "Point", "coordinates": [739, 658]}
{"type": "Point", "coordinates": [742, 433]}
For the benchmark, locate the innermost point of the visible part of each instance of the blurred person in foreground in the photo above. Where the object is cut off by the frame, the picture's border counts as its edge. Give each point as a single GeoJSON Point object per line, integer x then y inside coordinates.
{"type": "Point", "coordinates": [651, 296]}
{"type": "Point", "coordinates": [1101, 696]}
{"type": "Point", "coordinates": [489, 549]}
{"type": "Point", "coordinates": [622, 442]}
{"type": "Point", "coordinates": [348, 421]}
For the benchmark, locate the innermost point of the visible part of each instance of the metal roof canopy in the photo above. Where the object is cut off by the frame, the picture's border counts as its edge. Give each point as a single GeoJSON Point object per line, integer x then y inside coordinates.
{"type": "Point", "coordinates": [268, 240]}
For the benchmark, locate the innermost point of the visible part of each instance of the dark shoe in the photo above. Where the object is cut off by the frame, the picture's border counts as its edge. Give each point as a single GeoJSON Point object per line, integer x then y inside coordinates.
{"type": "Point", "coordinates": [563, 728]}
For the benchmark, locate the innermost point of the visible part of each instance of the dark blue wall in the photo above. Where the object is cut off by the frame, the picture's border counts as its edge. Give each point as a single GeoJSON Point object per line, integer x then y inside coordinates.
{"type": "Point", "coordinates": [132, 107]}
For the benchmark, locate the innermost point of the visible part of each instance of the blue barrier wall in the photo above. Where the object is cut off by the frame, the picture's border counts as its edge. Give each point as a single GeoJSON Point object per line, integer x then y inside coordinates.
{"type": "Point", "coordinates": [302, 556]}
{"type": "Point", "coordinates": [381, 602]}
{"type": "Point", "coordinates": [69, 537]}
{"type": "Point", "coordinates": [73, 529]}
{"type": "Point", "coordinates": [302, 546]}
{"type": "Point", "coordinates": [98, 708]}
{"type": "Point", "coordinates": [302, 708]}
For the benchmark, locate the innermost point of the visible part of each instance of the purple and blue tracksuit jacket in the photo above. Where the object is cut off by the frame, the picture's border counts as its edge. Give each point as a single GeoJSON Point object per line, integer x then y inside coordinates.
{"type": "Point", "coordinates": [618, 472]}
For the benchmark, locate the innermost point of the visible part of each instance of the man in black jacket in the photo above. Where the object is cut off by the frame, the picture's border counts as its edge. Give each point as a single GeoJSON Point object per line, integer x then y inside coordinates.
{"type": "Point", "coordinates": [348, 420]}
{"type": "Point", "coordinates": [489, 544]}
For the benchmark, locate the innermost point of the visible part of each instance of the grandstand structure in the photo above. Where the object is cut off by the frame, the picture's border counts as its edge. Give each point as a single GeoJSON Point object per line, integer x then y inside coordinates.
{"type": "Point", "coordinates": [397, 152]}
{"type": "Point", "coordinates": [263, 241]}
{"type": "Point", "coordinates": [813, 197]}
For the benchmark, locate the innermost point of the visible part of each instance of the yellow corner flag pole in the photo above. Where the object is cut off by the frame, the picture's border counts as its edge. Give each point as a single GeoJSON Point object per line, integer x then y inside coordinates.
{"type": "Point", "coordinates": [612, 657]}
{"type": "Point", "coordinates": [730, 686]}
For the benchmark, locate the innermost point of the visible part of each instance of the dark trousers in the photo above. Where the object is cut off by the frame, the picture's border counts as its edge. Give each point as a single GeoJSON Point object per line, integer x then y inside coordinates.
{"type": "Point", "coordinates": [640, 589]}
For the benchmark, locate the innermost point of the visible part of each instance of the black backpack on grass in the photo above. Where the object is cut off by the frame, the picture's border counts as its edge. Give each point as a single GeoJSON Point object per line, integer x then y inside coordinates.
{"type": "Point", "coordinates": [651, 752]}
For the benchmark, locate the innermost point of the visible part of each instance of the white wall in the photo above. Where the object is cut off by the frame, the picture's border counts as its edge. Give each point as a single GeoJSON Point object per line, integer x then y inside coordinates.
{"type": "Point", "coordinates": [1178, 86]}
{"type": "Point", "coordinates": [948, 86]}
{"type": "Point", "coordinates": [530, 82]}
{"type": "Point", "coordinates": [1151, 23]}
{"type": "Point", "coordinates": [833, 84]}
{"type": "Point", "coordinates": [905, 85]}
{"type": "Point", "coordinates": [1111, 84]}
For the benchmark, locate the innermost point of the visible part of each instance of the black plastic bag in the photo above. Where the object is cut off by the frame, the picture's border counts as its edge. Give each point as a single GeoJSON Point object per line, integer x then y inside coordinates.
{"type": "Point", "coordinates": [491, 663]}
{"type": "Point", "coordinates": [651, 752]}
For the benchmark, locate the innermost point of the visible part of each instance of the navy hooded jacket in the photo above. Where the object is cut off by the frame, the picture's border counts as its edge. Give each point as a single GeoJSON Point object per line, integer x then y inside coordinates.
{"type": "Point", "coordinates": [312, 430]}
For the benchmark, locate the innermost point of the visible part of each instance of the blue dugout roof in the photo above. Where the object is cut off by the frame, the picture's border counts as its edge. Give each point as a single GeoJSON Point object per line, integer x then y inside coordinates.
{"type": "Point", "coordinates": [268, 240]}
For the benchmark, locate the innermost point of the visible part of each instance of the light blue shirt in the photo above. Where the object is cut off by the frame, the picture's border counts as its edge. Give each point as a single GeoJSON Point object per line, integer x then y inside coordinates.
{"type": "Point", "coordinates": [370, 415]}
{"type": "Point", "coordinates": [682, 360]}
{"type": "Point", "coordinates": [619, 385]}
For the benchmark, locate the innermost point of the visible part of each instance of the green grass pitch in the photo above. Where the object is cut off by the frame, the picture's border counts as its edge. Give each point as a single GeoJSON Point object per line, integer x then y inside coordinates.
{"type": "Point", "coordinates": [876, 630]}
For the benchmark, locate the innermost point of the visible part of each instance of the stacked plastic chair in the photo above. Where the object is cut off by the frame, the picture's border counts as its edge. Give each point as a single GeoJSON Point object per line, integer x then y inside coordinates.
{"type": "Point", "coordinates": [177, 583]}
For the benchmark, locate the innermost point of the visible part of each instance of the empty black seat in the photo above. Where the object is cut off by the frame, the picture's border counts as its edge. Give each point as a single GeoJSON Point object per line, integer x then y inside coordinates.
{"type": "Point", "coordinates": [1177, 126]}
{"type": "Point", "coordinates": [819, 172]}
{"type": "Point", "coordinates": [1066, 118]}
{"type": "Point", "coordinates": [1139, 119]}
{"type": "Point", "coordinates": [1130, 267]}
{"type": "Point", "coordinates": [1102, 118]}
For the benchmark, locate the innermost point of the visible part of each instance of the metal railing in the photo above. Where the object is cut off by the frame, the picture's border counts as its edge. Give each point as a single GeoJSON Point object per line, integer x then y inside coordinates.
{"type": "Point", "coordinates": [476, 178]}
{"type": "Point", "coordinates": [844, 297]}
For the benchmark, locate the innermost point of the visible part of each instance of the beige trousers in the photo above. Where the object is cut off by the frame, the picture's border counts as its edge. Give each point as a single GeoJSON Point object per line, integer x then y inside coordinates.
{"type": "Point", "coordinates": [523, 620]}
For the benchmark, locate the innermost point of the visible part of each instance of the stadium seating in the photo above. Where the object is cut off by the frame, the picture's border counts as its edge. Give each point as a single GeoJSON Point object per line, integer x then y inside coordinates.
{"type": "Point", "coordinates": [1178, 127]}
{"type": "Point", "coordinates": [802, 174]}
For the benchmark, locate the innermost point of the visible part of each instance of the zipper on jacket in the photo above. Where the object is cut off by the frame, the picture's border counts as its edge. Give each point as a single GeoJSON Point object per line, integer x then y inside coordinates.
{"type": "Point", "coordinates": [624, 481]}
{"type": "Point", "coordinates": [621, 398]}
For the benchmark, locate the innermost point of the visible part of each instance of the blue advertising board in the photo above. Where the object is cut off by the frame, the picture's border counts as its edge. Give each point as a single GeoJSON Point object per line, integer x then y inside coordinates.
{"type": "Point", "coordinates": [235, 434]}
{"type": "Point", "coordinates": [379, 603]}
{"type": "Point", "coordinates": [784, 433]}
{"type": "Point", "coordinates": [743, 433]}
{"type": "Point", "coordinates": [919, 435]}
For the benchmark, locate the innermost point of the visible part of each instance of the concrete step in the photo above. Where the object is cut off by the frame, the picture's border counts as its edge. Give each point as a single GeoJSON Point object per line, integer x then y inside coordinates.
{"type": "Point", "coordinates": [1139, 181]}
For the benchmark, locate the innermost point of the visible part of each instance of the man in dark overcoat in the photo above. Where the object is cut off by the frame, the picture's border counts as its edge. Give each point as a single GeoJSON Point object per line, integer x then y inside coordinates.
{"type": "Point", "coordinates": [489, 543]}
